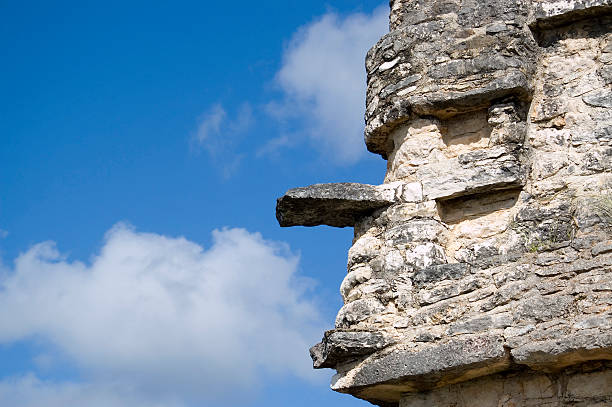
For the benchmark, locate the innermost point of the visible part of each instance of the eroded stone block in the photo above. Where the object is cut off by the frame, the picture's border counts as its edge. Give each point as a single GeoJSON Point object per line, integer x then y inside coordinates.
{"type": "Point", "coordinates": [339, 346]}
{"type": "Point", "coordinates": [444, 59]}
{"type": "Point", "coordinates": [550, 13]}
{"type": "Point", "coordinates": [385, 377]}
{"type": "Point", "coordinates": [337, 205]}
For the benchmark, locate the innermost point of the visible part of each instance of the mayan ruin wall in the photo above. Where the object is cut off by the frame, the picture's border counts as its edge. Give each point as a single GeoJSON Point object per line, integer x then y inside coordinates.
{"type": "Point", "coordinates": [480, 272]}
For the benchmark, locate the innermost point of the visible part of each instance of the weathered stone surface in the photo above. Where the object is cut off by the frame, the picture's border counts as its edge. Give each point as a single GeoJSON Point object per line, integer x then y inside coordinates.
{"type": "Point", "coordinates": [470, 173]}
{"type": "Point", "coordinates": [339, 346]}
{"type": "Point", "coordinates": [357, 311]}
{"type": "Point", "coordinates": [446, 61]}
{"type": "Point", "coordinates": [602, 247]}
{"type": "Point", "coordinates": [441, 272]}
{"type": "Point", "coordinates": [337, 205]}
{"type": "Point", "coordinates": [558, 353]}
{"type": "Point", "coordinates": [599, 98]}
{"type": "Point", "coordinates": [386, 377]}
{"type": "Point", "coordinates": [588, 385]}
{"type": "Point", "coordinates": [550, 13]}
{"type": "Point", "coordinates": [488, 269]}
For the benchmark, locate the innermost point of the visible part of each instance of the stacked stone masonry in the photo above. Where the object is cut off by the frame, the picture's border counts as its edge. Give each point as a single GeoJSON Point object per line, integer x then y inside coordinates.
{"type": "Point", "coordinates": [481, 269]}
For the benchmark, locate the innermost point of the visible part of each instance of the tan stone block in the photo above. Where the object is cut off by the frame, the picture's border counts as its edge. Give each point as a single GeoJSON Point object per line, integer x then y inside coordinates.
{"type": "Point", "coordinates": [590, 385]}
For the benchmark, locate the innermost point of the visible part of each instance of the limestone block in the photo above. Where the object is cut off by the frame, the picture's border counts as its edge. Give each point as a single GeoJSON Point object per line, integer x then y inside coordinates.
{"type": "Point", "coordinates": [482, 170]}
{"type": "Point", "coordinates": [357, 311]}
{"type": "Point", "coordinates": [385, 377]}
{"type": "Point", "coordinates": [571, 387]}
{"type": "Point", "coordinates": [550, 13]}
{"type": "Point", "coordinates": [337, 205]}
{"type": "Point", "coordinates": [443, 60]}
{"type": "Point", "coordinates": [338, 346]}
{"type": "Point", "coordinates": [440, 272]}
{"type": "Point", "coordinates": [557, 353]}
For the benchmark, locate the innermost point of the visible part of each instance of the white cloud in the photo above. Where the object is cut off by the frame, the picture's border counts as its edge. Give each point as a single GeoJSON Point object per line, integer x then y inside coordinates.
{"type": "Point", "coordinates": [209, 124]}
{"type": "Point", "coordinates": [30, 391]}
{"type": "Point", "coordinates": [272, 146]}
{"type": "Point", "coordinates": [219, 134]}
{"type": "Point", "coordinates": [323, 79]}
{"type": "Point", "coordinates": [163, 315]}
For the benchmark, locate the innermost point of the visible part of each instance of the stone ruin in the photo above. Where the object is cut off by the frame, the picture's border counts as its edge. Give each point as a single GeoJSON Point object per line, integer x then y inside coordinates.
{"type": "Point", "coordinates": [481, 269]}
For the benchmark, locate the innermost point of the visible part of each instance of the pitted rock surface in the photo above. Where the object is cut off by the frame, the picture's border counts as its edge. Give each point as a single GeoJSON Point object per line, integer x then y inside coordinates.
{"type": "Point", "coordinates": [337, 205]}
{"type": "Point", "coordinates": [485, 277]}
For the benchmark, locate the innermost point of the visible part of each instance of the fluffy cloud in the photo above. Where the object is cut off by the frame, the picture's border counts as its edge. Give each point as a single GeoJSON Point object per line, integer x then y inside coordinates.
{"type": "Point", "coordinates": [209, 124]}
{"type": "Point", "coordinates": [216, 131]}
{"type": "Point", "coordinates": [162, 315]}
{"type": "Point", "coordinates": [220, 133]}
{"type": "Point", "coordinates": [323, 79]}
{"type": "Point", "coordinates": [29, 391]}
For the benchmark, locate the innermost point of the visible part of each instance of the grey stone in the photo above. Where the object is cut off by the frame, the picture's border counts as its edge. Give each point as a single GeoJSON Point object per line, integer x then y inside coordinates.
{"type": "Point", "coordinates": [496, 28]}
{"type": "Point", "coordinates": [544, 308]}
{"type": "Point", "coordinates": [404, 83]}
{"type": "Point", "coordinates": [554, 354]}
{"type": "Point", "coordinates": [338, 346]}
{"type": "Point", "coordinates": [481, 324]}
{"type": "Point", "coordinates": [582, 265]}
{"type": "Point", "coordinates": [385, 377]}
{"type": "Point", "coordinates": [586, 387]}
{"type": "Point", "coordinates": [493, 254]}
{"type": "Point", "coordinates": [606, 73]}
{"type": "Point", "coordinates": [472, 74]}
{"type": "Point", "coordinates": [449, 289]}
{"type": "Point", "coordinates": [337, 205]}
{"type": "Point", "coordinates": [564, 255]}
{"type": "Point", "coordinates": [357, 311]}
{"type": "Point", "coordinates": [484, 170]}
{"type": "Point", "coordinates": [416, 230]}
{"type": "Point", "coordinates": [440, 272]}
{"type": "Point", "coordinates": [550, 13]}
{"type": "Point", "coordinates": [602, 247]}
{"type": "Point", "coordinates": [599, 98]}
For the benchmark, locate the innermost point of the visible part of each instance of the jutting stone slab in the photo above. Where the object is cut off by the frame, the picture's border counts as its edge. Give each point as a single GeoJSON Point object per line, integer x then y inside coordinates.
{"type": "Point", "coordinates": [338, 205]}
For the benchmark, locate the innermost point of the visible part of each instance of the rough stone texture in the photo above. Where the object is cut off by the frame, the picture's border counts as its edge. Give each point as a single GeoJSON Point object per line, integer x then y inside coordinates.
{"type": "Point", "coordinates": [385, 377]}
{"type": "Point", "coordinates": [587, 385]}
{"type": "Point", "coordinates": [446, 57]}
{"type": "Point", "coordinates": [337, 205]}
{"type": "Point", "coordinates": [547, 14]}
{"type": "Point", "coordinates": [341, 345]}
{"type": "Point", "coordinates": [487, 279]}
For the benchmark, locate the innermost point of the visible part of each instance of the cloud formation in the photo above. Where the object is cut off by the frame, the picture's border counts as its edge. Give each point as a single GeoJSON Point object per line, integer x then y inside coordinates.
{"type": "Point", "coordinates": [162, 315]}
{"type": "Point", "coordinates": [219, 134]}
{"type": "Point", "coordinates": [323, 80]}
{"type": "Point", "coordinates": [30, 391]}
{"type": "Point", "coordinates": [209, 124]}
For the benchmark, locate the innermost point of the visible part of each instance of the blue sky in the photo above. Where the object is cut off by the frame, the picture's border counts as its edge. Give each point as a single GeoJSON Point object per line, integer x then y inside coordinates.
{"type": "Point", "coordinates": [143, 146]}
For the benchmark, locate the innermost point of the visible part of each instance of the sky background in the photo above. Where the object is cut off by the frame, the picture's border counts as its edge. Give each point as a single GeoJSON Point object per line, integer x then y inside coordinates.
{"type": "Point", "coordinates": [142, 149]}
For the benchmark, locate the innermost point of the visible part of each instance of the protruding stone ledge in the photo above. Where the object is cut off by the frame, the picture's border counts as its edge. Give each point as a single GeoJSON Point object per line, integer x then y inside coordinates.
{"type": "Point", "coordinates": [555, 354]}
{"type": "Point", "coordinates": [584, 385]}
{"type": "Point", "coordinates": [552, 13]}
{"type": "Point", "coordinates": [338, 205]}
{"type": "Point", "coordinates": [384, 378]}
{"type": "Point", "coordinates": [443, 104]}
{"type": "Point", "coordinates": [444, 59]}
{"type": "Point", "coordinates": [338, 346]}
